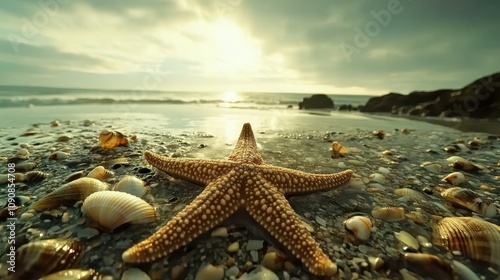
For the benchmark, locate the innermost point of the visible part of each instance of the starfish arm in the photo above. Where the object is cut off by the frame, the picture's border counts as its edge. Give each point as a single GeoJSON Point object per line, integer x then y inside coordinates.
{"type": "Point", "coordinates": [246, 147]}
{"type": "Point", "coordinates": [273, 212]}
{"type": "Point", "coordinates": [198, 171]}
{"type": "Point", "coordinates": [217, 202]}
{"type": "Point", "coordinates": [290, 181]}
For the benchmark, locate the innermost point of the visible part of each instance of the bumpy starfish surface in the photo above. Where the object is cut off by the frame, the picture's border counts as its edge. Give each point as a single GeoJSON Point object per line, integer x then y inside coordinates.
{"type": "Point", "coordinates": [241, 182]}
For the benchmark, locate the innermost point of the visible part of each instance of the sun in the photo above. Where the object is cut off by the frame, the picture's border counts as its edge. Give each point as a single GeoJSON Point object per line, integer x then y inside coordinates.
{"type": "Point", "coordinates": [230, 97]}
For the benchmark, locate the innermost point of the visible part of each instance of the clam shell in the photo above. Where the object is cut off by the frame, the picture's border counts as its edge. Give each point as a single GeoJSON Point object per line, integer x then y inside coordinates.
{"type": "Point", "coordinates": [58, 155]}
{"type": "Point", "coordinates": [25, 166]}
{"type": "Point", "coordinates": [433, 167]}
{"type": "Point", "coordinates": [407, 239]}
{"type": "Point", "coordinates": [338, 150]}
{"type": "Point", "coordinates": [69, 193]}
{"type": "Point", "coordinates": [389, 214]}
{"type": "Point", "coordinates": [100, 173]}
{"type": "Point", "coordinates": [131, 185]}
{"type": "Point", "coordinates": [34, 177]}
{"type": "Point", "coordinates": [23, 153]}
{"type": "Point", "coordinates": [470, 200]}
{"type": "Point", "coordinates": [464, 164]}
{"type": "Point", "coordinates": [114, 163]}
{"type": "Point", "coordinates": [76, 274]}
{"type": "Point", "coordinates": [109, 139]}
{"type": "Point", "coordinates": [473, 237]}
{"type": "Point", "coordinates": [428, 265]}
{"type": "Point", "coordinates": [108, 210]}
{"type": "Point", "coordinates": [75, 175]}
{"type": "Point", "coordinates": [454, 178]}
{"type": "Point", "coordinates": [411, 194]}
{"type": "Point", "coordinates": [359, 226]}
{"type": "Point", "coordinates": [42, 257]}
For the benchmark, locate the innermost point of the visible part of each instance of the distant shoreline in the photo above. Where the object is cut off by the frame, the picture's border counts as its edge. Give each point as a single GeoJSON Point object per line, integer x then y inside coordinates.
{"type": "Point", "coordinates": [465, 125]}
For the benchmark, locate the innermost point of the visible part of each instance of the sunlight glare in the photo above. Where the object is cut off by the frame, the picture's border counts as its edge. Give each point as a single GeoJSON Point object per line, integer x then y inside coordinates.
{"type": "Point", "coordinates": [230, 97]}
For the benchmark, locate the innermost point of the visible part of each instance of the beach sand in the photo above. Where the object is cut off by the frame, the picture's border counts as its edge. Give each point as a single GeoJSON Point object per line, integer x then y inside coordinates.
{"type": "Point", "coordinates": [291, 139]}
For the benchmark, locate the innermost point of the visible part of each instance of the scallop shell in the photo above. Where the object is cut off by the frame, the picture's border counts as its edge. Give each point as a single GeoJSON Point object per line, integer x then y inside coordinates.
{"type": "Point", "coordinates": [75, 175]}
{"type": "Point", "coordinates": [454, 178]}
{"type": "Point", "coordinates": [473, 237]}
{"type": "Point", "coordinates": [114, 163]}
{"type": "Point", "coordinates": [338, 150]}
{"type": "Point", "coordinates": [411, 194]}
{"type": "Point", "coordinates": [359, 226]}
{"type": "Point", "coordinates": [389, 214]}
{"type": "Point", "coordinates": [470, 200]}
{"type": "Point", "coordinates": [131, 185]}
{"type": "Point", "coordinates": [433, 167]}
{"type": "Point", "coordinates": [34, 177]}
{"type": "Point", "coordinates": [42, 257]}
{"type": "Point", "coordinates": [76, 274]}
{"type": "Point", "coordinates": [100, 173]}
{"type": "Point", "coordinates": [69, 193]}
{"type": "Point", "coordinates": [111, 209]}
{"type": "Point", "coordinates": [109, 139]}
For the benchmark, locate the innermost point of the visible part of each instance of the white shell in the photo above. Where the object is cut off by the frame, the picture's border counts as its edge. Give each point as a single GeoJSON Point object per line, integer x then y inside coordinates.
{"type": "Point", "coordinates": [454, 178]}
{"type": "Point", "coordinates": [111, 209]}
{"type": "Point", "coordinates": [131, 185]}
{"type": "Point", "coordinates": [407, 239]}
{"type": "Point", "coordinates": [411, 194]}
{"type": "Point", "coordinates": [359, 226]}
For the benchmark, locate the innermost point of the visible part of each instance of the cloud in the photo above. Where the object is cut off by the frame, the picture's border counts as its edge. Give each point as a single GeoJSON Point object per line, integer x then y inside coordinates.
{"type": "Point", "coordinates": [287, 45]}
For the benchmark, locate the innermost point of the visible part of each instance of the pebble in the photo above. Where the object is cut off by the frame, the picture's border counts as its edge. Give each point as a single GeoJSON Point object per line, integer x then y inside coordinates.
{"type": "Point", "coordinates": [254, 245]}
{"type": "Point", "coordinates": [233, 247]}
{"type": "Point", "coordinates": [210, 272]}
{"type": "Point", "coordinates": [220, 232]}
{"type": "Point", "coordinates": [255, 256]}
{"type": "Point", "coordinates": [135, 274]}
{"type": "Point", "coordinates": [261, 273]}
{"type": "Point", "coordinates": [273, 260]}
{"type": "Point", "coordinates": [87, 233]}
{"type": "Point", "coordinates": [320, 221]}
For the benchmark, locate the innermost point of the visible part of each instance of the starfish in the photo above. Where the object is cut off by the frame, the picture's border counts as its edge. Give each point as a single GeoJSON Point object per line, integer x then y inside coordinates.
{"type": "Point", "coordinates": [243, 181]}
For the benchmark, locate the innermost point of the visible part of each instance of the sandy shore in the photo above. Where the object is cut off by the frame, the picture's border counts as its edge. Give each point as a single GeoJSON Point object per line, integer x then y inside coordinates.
{"type": "Point", "coordinates": [380, 166]}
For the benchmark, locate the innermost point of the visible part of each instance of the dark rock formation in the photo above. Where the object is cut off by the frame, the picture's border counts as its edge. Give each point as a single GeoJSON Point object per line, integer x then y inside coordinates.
{"type": "Point", "coordinates": [316, 101]}
{"type": "Point", "coordinates": [480, 99]}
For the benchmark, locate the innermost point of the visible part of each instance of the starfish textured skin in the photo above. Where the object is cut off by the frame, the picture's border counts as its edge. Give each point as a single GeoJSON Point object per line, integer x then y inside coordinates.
{"type": "Point", "coordinates": [243, 181]}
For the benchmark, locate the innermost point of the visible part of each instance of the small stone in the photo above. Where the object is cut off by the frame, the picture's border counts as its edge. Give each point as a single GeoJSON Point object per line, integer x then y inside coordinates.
{"type": "Point", "coordinates": [273, 260]}
{"type": "Point", "coordinates": [260, 273]}
{"type": "Point", "coordinates": [87, 233]}
{"type": "Point", "coordinates": [210, 272]}
{"type": "Point", "coordinates": [232, 271]}
{"type": "Point", "coordinates": [26, 216]}
{"type": "Point", "coordinates": [65, 217]}
{"type": "Point", "coordinates": [321, 221]}
{"type": "Point", "coordinates": [135, 274]}
{"type": "Point", "coordinates": [234, 247]}
{"type": "Point", "coordinates": [255, 256]}
{"type": "Point", "coordinates": [254, 245]}
{"type": "Point", "coordinates": [220, 232]}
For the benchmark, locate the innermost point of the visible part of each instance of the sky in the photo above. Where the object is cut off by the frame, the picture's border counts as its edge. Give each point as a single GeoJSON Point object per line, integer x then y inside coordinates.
{"type": "Point", "coordinates": [333, 47]}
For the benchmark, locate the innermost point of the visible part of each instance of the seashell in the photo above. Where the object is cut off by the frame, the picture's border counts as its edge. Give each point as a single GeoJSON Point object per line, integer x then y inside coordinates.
{"type": "Point", "coordinates": [69, 193]}
{"type": "Point", "coordinates": [75, 274]}
{"type": "Point", "coordinates": [58, 155]}
{"type": "Point", "coordinates": [405, 131]}
{"type": "Point", "coordinates": [473, 237]}
{"type": "Point", "coordinates": [55, 123]}
{"type": "Point", "coordinates": [42, 257]}
{"type": "Point", "coordinates": [359, 226]}
{"type": "Point", "coordinates": [389, 214]}
{"type": "Point", "coordinates": [428, 265]}
{"type": "Point", "coordinates": [30, 132]}
{"type": "Point", "coordinates": [210, 272]}
{"type": "Point", "coordinates": [433, 167]}
{"type": "Point", "coordinates": [135, 274]}
{"type": "Point", "coordinates": [463, 164]}
{"type": "Point", "coordinates": [115, 163]}
{"type": "Point", "coordinates": [377, 177]}
{"type": "Point", "coordinates": [108, 210]}
{"type": "Point", "coordinates": [407, 239]}
{"type": "Point", "coordinates": [451, 149]}
{"type": "Point", "coordinates": [12, 178]}
{"type": "Point", "coordinates": [379, 134]}
{"type": "Point", "coordinates": [100, 173]}
{"type": "Point", "coordinates": [73, 176]}
{"type": "Point", "coordinates": [25, 166]}
{"type": "Point", "coordinates": [34, 177]}
{"type": "Point", "coordinates": [470, 200]}
{"type": "Point", "coordinates": [64, 138]}
{"type": "Point", "coordinates": [23, 153]}
{"type": "Point", "coordinates": [273, 260]}
{"type": "Point", "coordinates": [131, 185]}
{"type": "Point", "coordinates": [109, 139]}
{"type": "Point", "coordinates": [454, 178]}
{"type": "Point", "coordinates": [411, 194]}
{"type": "Point", "coordinates": [338, 150]}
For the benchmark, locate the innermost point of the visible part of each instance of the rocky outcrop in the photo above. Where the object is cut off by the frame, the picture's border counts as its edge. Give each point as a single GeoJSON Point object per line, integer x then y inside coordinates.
{"type": "Point", "coordinates": [479, 99]}
{"type": "Point", "coordinates": [316, 101]}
